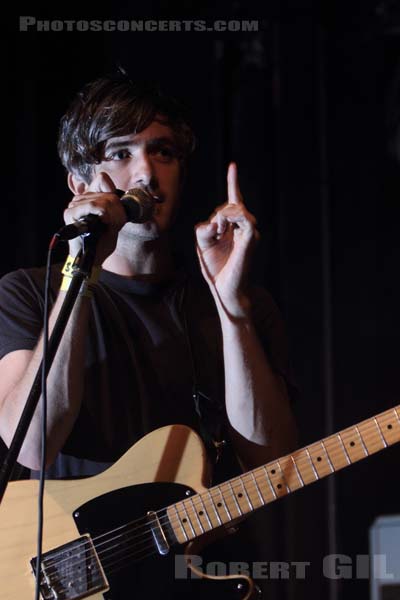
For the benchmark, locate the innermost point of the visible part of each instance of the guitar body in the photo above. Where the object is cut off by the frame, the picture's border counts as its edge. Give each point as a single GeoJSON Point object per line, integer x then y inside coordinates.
{"type": "Point", "coordinates": [136, 530]}
{"type": "Point", "coordinates": [162, 468]}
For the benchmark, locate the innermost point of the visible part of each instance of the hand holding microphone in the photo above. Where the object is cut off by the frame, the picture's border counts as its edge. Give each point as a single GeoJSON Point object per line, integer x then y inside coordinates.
{"type": "Point", "coordinates": [104, 208]}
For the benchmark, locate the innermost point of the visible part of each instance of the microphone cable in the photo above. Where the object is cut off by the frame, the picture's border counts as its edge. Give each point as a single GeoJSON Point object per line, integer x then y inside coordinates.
{"type": "Point", "coordinates": [39, 540]}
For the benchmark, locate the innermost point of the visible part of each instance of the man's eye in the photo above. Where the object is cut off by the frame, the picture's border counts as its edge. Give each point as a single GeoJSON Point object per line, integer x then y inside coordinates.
{"type": "Point", "coordinates": [165, 152]}
{"type": "Point", "coordinates": [119, 155]}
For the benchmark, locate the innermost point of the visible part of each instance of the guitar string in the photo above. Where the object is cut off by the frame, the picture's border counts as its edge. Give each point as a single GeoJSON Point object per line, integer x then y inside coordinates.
{"type": "Point", "coordinates": [236, 480]}
{"type": "Point", "coordinates": [172, 521]}
{"type": "Point", "coordinates": [127, 558]}
{"type": "Point", "coordinates": [115, 565]}
{"type": "Point", "coordinates": [166, 519]}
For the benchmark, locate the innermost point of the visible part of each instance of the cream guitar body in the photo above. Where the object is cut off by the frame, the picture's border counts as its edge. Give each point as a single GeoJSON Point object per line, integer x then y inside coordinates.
{"type": "Point", "coordinates": [171, 454]}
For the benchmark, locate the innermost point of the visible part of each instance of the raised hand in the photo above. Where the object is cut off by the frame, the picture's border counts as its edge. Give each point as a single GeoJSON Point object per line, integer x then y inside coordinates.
{"type": "Point", "coordinates": [224, 244]}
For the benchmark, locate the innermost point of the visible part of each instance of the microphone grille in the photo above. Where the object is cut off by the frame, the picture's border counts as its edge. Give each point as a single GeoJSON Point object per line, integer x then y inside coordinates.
{"type": "Point", "coordinates": [144, 202]}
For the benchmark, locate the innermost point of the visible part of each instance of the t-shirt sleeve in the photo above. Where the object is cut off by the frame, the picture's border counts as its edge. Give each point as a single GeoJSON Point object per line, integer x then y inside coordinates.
{"type": "Point", "coordinates": [21, 313]}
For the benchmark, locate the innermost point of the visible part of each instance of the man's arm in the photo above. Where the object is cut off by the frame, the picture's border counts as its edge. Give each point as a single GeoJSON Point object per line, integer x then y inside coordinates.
{"type": "Point", "coordinates": [64, 384]}
{"type": "Point", "coordinates": [257, 404]}
{"type": "Point", "coordinates": [66, 377]}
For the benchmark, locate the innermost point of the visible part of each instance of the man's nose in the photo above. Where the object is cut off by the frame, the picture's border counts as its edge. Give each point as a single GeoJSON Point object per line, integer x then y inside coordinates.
{"type": "Point", "coordinates": [144, 173]}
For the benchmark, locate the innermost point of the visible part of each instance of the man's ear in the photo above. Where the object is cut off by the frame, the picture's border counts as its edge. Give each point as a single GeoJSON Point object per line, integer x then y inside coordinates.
{"type": "Point", "coordinates": [77, 185]}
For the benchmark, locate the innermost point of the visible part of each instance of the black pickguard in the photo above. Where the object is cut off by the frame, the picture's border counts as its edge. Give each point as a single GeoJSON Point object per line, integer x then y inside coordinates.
{"type": "Point", "coordinates": [151, 577]}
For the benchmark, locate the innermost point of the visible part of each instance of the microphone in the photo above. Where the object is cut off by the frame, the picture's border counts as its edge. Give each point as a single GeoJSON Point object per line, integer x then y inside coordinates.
{"type": "Point", "coordinates": [138, 206]}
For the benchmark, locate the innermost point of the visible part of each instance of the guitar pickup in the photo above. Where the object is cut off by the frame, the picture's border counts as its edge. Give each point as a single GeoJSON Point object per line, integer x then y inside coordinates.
{"type": "Point", "coordinates": [71, 571]}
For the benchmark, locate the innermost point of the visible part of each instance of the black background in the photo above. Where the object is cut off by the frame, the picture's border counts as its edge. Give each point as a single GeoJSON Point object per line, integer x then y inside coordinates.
{"type": "Point", "coordinates": [301, 105]}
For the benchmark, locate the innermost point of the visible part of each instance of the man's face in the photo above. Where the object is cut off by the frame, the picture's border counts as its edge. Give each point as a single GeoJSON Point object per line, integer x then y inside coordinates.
{"type": "Point", "coordinates": [148, 160]}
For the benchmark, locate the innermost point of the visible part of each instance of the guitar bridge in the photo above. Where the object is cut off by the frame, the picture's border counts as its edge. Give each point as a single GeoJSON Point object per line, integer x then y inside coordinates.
{"type": "Point", "coordinates": [71, 571]}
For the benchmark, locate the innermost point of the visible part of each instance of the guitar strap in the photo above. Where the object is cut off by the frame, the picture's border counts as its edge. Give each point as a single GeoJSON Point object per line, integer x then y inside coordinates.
{"type": "Point", "coordinates": [210, 411]}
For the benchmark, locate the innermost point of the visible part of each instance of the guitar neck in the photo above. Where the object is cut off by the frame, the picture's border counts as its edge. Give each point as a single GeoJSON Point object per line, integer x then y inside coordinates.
{"type": "Point", "coordinates": [222, 504]}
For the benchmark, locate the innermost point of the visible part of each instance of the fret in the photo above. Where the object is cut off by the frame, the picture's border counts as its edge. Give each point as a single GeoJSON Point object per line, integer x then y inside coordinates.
{"type": "Point", "coordinates": [251, 505]}
{"type": "Point", "coordinates": [270, 483]}
{"type": "Point", "coordinates": [397, 414]}
{"type": "Point", "coordinates": [237, 487]}
{"type": "Point", "coordinates": [202, 513]}
{"type": "Point", "coordinates": [229, 500]}
{"type": "Point", "coordinates": [242, 496]}
{"type": "Point", "coordinates": [261, 497]}
{"type": "Point", "coordinates": [350, 441]}
{"type": "Point", "coordinates": [185, 520]}
{"type": "Point", "coordinates": [290, 475]}
{"type": "Point", "coordinates": [312, 464]}
{"type": "Point", "coordinates": [337, 452]}
{"type": "Point", "coordinates": [362, 441]}
{"type": "Point", "coordinates": [380, 432]}
{"type": "Point", "coordinates": [197, 522]}
{"type": "Point", "coordinates": [299, 477]}
{"type": "Point", "coordinates": [328, 457]}
{"type": "Point", "coordinates": [219, 522]}
{"type": "Point", "coordinates": [240, 513]}
{"type": "Point", "coordinates": [304, 466]}
{"type": "Point", "coordinates": [277, 480]}
{"type": "Point", "coordinates": [283, 477]}
{"type": "Point", "coordinates": [318, 454]}
{"type": "Point", "coordinates": [389, 423]}
{"type": "Point", "coordinates": [176, 524]}
{"type": "Point", "coordinates": [221, 506]}
{"type": "Point", "coordinates": [264, 485]}
{"type": "Point", "coordinates": [189, 517]}
{"type": "Point", "coordinates": [372, 435]}
{"type": "Point", "coordinates": [344, 448]}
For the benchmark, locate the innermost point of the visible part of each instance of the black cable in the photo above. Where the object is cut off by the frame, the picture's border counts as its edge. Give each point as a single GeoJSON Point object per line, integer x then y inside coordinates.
{"type": "Point", "coordinates": [43, 417]}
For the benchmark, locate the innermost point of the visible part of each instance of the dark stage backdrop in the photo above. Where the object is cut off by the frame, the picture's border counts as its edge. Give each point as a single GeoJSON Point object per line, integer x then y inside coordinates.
{"type": "Point", "coordinates": [300, 105]}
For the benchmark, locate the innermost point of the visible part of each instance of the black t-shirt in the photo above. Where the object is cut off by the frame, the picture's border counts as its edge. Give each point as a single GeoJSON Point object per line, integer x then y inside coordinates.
{"type": "Point", "coordinates": [146, 346]}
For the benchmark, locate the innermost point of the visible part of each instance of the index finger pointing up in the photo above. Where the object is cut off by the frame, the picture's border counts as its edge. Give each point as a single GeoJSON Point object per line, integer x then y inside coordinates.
{"type": "Point", "coordinates": [234, 195]}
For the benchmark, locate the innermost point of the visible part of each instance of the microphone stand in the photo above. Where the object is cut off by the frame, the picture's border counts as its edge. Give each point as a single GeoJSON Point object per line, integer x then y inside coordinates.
{"type": "Point", "coordinates": [79, 274]}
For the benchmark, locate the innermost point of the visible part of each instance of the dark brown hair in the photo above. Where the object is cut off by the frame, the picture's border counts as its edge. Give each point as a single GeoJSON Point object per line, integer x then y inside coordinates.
{"type": "Point", "coordinates": [115, 106]}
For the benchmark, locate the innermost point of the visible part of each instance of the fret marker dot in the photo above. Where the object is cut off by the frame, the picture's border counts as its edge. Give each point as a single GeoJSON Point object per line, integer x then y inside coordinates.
{"type": "Point", "coordinates": [389, 426]}
{"type": "Point", "coordinates": [273, 471]}
{"type": "Point", "coordinates": [352, 444]}
{"type": "Point", "coordinates": [279, 486]}
{"type": "Point", "coordinates": [240, 495]}
{"type": "Point", "coordinates": [219, 504]}
{"type": "Point", "coordinates": [319, 458]}
{"type": "Point", "coordinates": [184, 520]}
{"type": "Point", "coordinates": [201, 512]}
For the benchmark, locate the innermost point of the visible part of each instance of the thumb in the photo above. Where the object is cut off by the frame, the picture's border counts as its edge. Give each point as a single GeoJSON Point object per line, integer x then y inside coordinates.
{"type": "Point", "coordinates": [102, 183]}
{"type": "Point", "coordinates": [205, 234]}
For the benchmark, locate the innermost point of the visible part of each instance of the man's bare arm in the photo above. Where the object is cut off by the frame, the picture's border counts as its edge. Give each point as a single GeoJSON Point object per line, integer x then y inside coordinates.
{"type": "Point", "coordinates": [64, 387]}
{"type": "Point", "coordinates": [259, 413]}
{"type": "Point", "coordinates": [66, 377]}
{"type": "Point", "coordinates": [257, 402]}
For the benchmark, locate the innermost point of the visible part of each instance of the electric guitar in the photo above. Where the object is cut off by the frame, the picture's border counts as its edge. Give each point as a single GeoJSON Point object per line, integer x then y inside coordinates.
{"type": "Point", "coordinates": [135, 530]}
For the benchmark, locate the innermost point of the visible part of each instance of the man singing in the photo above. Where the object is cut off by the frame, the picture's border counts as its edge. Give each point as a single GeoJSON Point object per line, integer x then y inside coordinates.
{"type": "Point", "coordinates": [147, 345]}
